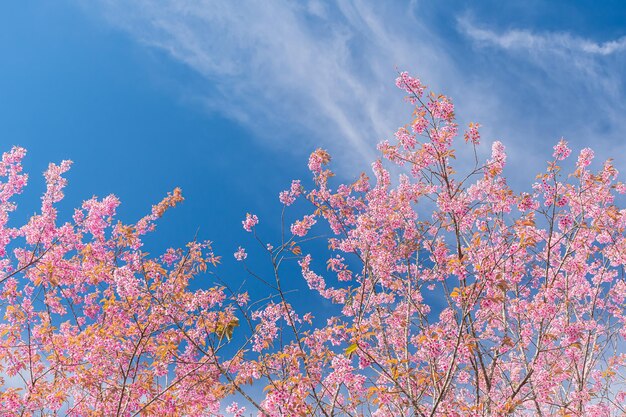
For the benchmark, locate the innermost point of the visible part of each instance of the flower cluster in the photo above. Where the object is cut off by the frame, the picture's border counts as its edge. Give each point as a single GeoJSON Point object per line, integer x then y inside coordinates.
{"type": "Point", "coordinates": [250, 221]}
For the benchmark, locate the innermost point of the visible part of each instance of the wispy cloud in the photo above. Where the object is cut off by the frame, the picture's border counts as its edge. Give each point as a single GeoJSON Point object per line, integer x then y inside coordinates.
{"type": "Point", "coordinates": [574, 63]}
{"type": "Point", "coordinates": [314, 73]}
{"type": "Point", "coordinates": [562, 85]}
{"type": "Point", "coordinates": [559, 42]}
{"type": "Point", "coordinates": [296, 65]}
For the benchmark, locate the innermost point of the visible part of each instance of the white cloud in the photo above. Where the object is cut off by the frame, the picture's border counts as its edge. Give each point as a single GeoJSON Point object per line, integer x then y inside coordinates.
{"type": "Point", "coordinates": [316, 74]}
{"type": "Point", "coordinates": [562, 85]}
{"type": "Point", "coordinates": [554, 42]}
{"type": "Point", "coordinates": [286, 63]}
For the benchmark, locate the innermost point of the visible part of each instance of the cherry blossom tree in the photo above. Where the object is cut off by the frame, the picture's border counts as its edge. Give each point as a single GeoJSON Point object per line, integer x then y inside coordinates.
{"type": "Point", "coordinates": [441, 293]}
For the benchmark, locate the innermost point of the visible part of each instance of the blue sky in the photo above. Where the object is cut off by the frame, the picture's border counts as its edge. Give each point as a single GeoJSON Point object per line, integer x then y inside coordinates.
{"type": "Point", "coordinates": [227, 99]}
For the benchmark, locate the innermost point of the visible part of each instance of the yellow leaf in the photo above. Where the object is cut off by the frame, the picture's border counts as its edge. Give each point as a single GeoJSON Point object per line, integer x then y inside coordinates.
{"type": "Point", "coordinates": [351, 349]}
{"type": "Point", "coordinates": [228, 329]}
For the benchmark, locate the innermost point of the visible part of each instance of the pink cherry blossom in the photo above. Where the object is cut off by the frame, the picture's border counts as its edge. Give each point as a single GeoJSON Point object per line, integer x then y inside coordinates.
{"type": "Point", "coordinates": [561, 151]}
{"type": "Point", "coordinates": [250, 221]}
{"type": "Point", "coordinates": [241, 254]}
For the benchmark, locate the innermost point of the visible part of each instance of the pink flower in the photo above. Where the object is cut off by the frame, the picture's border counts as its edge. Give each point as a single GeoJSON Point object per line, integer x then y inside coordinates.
{"type": "Point", "coordinates": [464, 377]}
{"type": "Point", "coordinates": [565, 222]}
{"type": "Point", "coordinates": [288, 197]}
{"type": "Point", "coordinates": [497, 152]}
{"type": "Point", "coordinates": [409, 84]}
{"type": "Point", "coordinates": [585, 157]}
{"type": "Point", "coordinates": [126, 283]}
{"type": "Point", "coordinates": [301, 227]}
{"type": "Point", "coordinates": [170, 256]}
{"type": "Point", "coordinates": [473, 135]}
{"type": "Point", "coordinates": [296, 188]}
{"type": "Point", "coordinates": [442, 108]}
{"type": "Point", "coordinates": [235, 410]}
{"type": "Point", "coordinates": [526, 202]}
{"type": "Point", "coordinates": [317, 159]}
{"type": "Point", "coordinates": [250, 221]}
{"type": "Point", "coordinates": [498, 158]}
{"type": "Point", "coordinates": [242, 299]}
{"type": "Point", "coordinates": [405, 138]}
{"type": "Point", "coordinates": [419, 123]}
{"type": "Point", "coordinates": [241, 254]}
{"type": "Point", "coordinates": [561, 151]}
